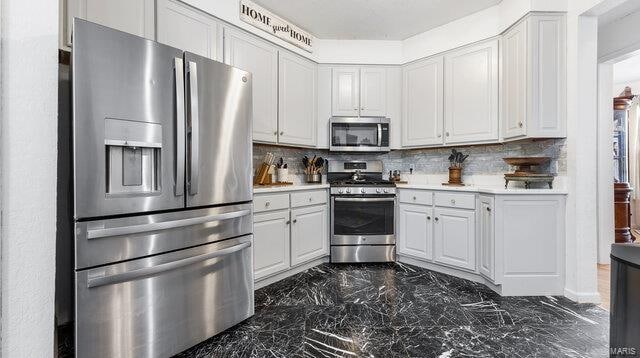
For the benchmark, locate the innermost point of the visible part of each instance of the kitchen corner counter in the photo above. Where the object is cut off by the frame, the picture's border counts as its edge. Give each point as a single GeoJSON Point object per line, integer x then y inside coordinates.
{"type": "Point", "coordinates": [483, 189]}
{"type": "Point", "coordinates": [287, 188]}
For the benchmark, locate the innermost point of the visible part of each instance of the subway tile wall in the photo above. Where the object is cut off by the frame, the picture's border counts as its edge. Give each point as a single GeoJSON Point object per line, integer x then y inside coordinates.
{"type": "Point", "coordinates": [483, 159]}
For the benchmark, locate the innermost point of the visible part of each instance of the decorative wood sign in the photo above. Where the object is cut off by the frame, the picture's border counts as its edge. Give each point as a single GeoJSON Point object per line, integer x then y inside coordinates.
{"type": "Point", "coordinates": [261, 18]}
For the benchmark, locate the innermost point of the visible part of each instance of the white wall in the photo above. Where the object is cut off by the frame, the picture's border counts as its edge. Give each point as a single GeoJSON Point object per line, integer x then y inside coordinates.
{"type": "Point", "coordinates": [28, 148]}
{"type": "Point", "coordinates": [617, 88]}
{"type": "Point", "coordinates": [619, 37]}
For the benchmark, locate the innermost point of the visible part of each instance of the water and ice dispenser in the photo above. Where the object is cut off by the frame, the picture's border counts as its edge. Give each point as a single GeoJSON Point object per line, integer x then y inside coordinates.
{"type": "Point", "coordinates": [133, 151]}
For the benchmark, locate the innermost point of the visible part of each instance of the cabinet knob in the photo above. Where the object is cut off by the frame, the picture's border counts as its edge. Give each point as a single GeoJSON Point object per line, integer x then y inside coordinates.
{"type": "Point", "coordinates": [453, 202]}
{"type": "Point", "coordinates": [288, 222]}
{"type": "Point", "coordinates": [439, 135]}
{"type": "Point", "coordinates": [447, 134]}
{"type": "Point", "coordinates": [414, 198]}
{"type": "Point", "coordinates": [281, 133]}
{"type": "Point", "coordinates": [275, 133]}
{"type": "Point", "coordinates": [520, 124]}
{"type": "Point", "coordinates": [355, 109]}
{"type": "Point", "coordinates": [488, 208]}
{"type": "Point", "coordinates": [436, 218]}
{"type": "Point", "coordinates": [295, 221]}
{"type": "Point", "coordinates": [310, 199]}
{"type": "Point", "coordinates": [428, 217]}
{"type": "Point", "coordinates": [362, 108]}
{"type": "Point", "coordinates": [267, 204]}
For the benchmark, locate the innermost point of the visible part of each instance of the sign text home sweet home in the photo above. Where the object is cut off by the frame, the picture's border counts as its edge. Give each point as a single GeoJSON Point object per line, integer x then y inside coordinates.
{"type": "Point", "coordinates": [259, 17]}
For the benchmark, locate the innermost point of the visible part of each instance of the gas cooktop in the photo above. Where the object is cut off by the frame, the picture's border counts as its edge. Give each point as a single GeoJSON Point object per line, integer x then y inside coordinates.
{"type": "Point", "coordinates": [362, 183]}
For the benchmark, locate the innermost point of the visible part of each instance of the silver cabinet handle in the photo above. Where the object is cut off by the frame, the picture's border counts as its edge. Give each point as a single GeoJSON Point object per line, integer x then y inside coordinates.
{"type": "Point", "coordinates": [267, 204]}
{"type": "Point", "coordinates": [194, 119]}
{"type": "Point", "coordinates": [295, 221]}
{"type": "Point", "coordinates": [414, 198]}
{"type": "Point", "coordinates": [136, 229]}
{"type": "Point", "coordinates": [436, 219]}
{"type": "Point", "coordinates": [287, 222]}
{"type": "Point", "coordinates": [178, 71]}
{"type": "Point", "coordinates": [363, 199]}
{"type": "Point", "coordinates": [453, 202]}
{"type": "Point", "coordinates": [149, 271]}
{"type": "Point", "coordinates": [281, 133]}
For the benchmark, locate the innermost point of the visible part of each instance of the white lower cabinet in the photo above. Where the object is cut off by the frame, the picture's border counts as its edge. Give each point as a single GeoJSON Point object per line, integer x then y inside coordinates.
{"type": "Point", "coordinates": [415, 232]}
{"type": "Point", "coordinates": [486, 241]}
{"type": "Point", "coordinates": [270, 243]}
{"type": "Point", "coordinates": [289, 230]}
{"type": "Point", "coordinates": [455, 237]}
{"type": "Point", "coordinates": [309, 234]}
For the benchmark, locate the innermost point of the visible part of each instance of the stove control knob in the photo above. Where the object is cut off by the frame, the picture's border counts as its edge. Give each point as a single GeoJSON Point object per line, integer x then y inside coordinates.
{"type": "Point", "coordinates": [385, 191]}
{"type": "Point", "coordinates": [378, 191]}
{"type": "Point", "coordinates": [339, 191]}
{"type": "Point", "coordinates": [348, 191]}
{"type": "Point", "coordinates": [363, 191]}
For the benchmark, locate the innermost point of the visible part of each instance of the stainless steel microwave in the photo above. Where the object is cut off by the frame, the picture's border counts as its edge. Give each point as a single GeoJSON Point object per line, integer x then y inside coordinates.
{"type": "Point", "coordinates": [359, 134]}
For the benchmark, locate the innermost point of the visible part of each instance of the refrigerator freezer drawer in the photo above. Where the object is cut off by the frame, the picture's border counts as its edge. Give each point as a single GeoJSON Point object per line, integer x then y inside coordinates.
{"type": "Point", "coordinates": [161, 305]}
{"type": "Point", "coordinates": [100, 242]}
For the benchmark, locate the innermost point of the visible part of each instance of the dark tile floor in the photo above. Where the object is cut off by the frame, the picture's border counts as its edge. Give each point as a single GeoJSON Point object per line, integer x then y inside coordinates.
{"type": "Point", "coordinates": [395, 310]}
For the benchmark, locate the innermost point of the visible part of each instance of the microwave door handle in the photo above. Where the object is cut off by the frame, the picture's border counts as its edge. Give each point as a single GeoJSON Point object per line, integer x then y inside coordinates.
{"type": "Point", "coordinates": [379, 135]}
{"type": "Point", "coordinates": [194, 162]}
{"type": "Point", "coordinates": [178, 69]}
{"type": "Point", "coordinates": [154, 270]}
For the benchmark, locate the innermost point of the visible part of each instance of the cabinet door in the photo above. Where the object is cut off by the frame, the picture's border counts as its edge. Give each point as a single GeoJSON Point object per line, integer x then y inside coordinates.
{"type": "Point", "coordinates": [297, 100]}
{"type": "Point", "coordinates": [309, 233]}
{"type": "Point", "coordinates": [190, 30]}
{"type": "Point", "coordinates": [514, 81]}
{"type": "Point", "coordinates": [422, 109]}
{"type": "Point", "coordinates": [133, 16]}
{"type": "Point", "coordinates": [261, 59]}
{"type": "Point", "coordinates": [270, 243]}
{"type": "Point", "coordinates": [373, 95]}
{"type": "Point", "coordinates": [345, 96]}
{"type": "Point", "coordinates": [416, 231]}
{"type": "Point", "coordinates": [454, 236]}
{"type": "Point", "coordinates": [486, 239]}
{"type": "Point", "coordinates": [471, 94]}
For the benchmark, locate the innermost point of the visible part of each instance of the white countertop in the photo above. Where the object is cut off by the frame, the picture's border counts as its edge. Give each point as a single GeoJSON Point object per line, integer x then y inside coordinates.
{"type": "Point", "coordinates": [482, 189]}
{"type": "Point", "coordinates": [286, 188]}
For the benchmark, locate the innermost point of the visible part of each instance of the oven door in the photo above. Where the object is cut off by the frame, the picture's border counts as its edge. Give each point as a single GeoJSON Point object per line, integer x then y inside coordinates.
{"type": "Point", "coordinates": [362, 220]}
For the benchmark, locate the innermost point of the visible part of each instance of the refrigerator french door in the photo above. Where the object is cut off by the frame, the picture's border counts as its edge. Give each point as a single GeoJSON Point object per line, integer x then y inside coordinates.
{"type": "Point", "coordinates": [162, 195]}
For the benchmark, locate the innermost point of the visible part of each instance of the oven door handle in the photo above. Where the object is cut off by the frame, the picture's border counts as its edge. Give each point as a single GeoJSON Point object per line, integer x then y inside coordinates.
{"type": "Point", "coordinates": [364, 199]}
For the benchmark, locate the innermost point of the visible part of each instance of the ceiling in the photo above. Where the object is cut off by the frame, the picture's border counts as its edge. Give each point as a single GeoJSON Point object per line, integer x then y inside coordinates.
{"type": "Point", "coordinates": [627, 71]}
{"type": "Point", "coordinates": [372, 19]}
{"type": "Point", "coordinates": [618, 12]}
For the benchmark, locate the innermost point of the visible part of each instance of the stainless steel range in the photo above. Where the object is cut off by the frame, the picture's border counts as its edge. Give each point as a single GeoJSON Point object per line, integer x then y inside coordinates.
{"type": "Point", "coordinates": [362, 212]}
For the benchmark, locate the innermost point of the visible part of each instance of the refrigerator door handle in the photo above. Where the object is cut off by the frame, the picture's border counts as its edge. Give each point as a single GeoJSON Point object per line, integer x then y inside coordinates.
{"type": "Point", "coordinates": [178, 68]}
{"type": "Point", "coordinates": [137, 229]}
{"type": "Point", "coordinates": [153, 270]}
{"type": "Point", "coordinates": [194, 162]}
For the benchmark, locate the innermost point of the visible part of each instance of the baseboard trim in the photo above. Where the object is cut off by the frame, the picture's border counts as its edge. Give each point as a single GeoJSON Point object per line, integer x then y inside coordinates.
{"type": "Point", "coordinates": [263, 282]}
{"type": "Point", "coordinates": [582, 297]}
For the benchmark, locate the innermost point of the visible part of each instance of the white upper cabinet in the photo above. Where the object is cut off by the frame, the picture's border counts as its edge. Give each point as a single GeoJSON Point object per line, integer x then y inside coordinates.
{"type": "Point", "coordinates": [133, 16]}
{"type": "Point", "coordinates": [345, 94]}
{"type": "Point", "coordinates": [422, 109]}
{"type": "Point", "coordinates": [471, 94]}
{"type": "Point", "coordinates": [183, 27]}
{"type": "Point", "coordinates": [261, 59]}
{"type": "Point", "coordinates": [514, 79]}
{"type": "Point", "coordinates": [373, 95]}
{"type": "Point", "coordinates": [297, 100]}
{"type": "Point", "coordinates": [534, 78]}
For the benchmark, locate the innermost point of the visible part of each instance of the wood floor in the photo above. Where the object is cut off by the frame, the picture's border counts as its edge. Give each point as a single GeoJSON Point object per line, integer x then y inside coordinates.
{"type": "Point", "coordinates": [604, 285]}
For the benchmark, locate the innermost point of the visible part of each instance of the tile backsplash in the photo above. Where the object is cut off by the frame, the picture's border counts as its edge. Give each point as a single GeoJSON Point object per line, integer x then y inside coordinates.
{"type": "Point", "coordinates": [483, 159]}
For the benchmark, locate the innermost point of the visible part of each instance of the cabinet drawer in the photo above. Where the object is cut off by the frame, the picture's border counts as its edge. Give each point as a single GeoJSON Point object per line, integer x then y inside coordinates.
{"type": "Point", "coordinates": [270, 202]}
{"type": "Point", "coordinates": [456, 200]}
{"type": "Point", "coordinates": [305, 198]}
{"type": "Point", "coordinates": [422, 197]}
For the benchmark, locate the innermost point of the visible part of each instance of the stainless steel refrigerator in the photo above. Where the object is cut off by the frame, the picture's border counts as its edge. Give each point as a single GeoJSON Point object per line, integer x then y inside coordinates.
{"type": "Point", "coordinates": [162, 195]}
